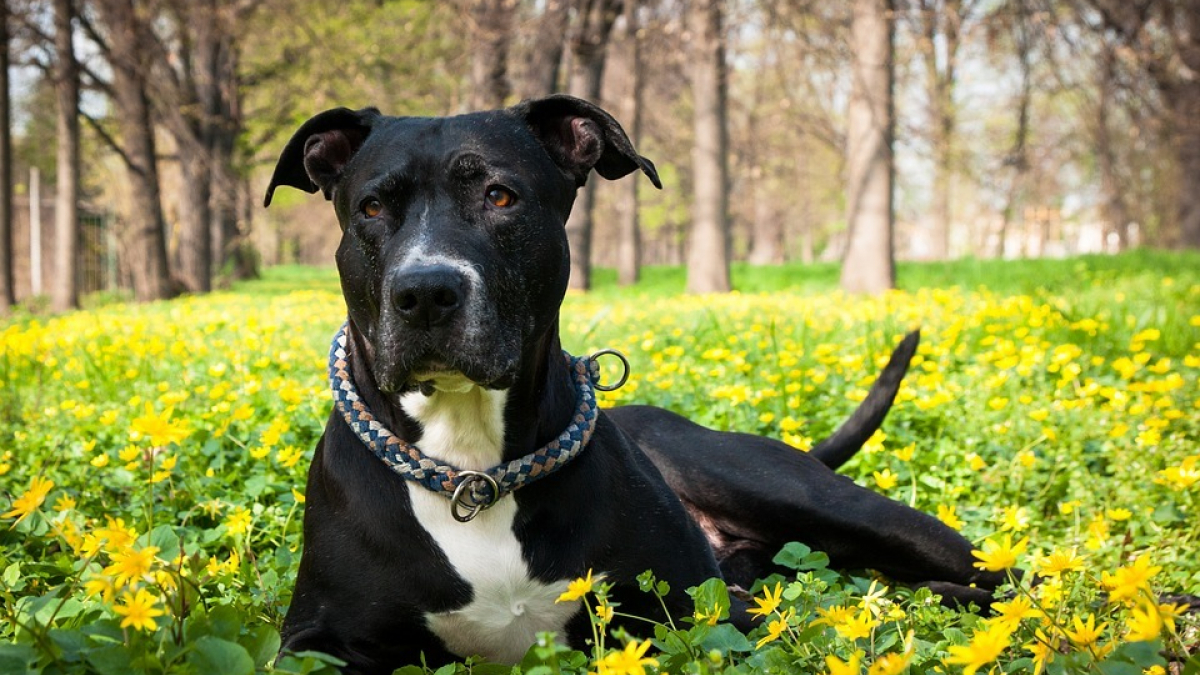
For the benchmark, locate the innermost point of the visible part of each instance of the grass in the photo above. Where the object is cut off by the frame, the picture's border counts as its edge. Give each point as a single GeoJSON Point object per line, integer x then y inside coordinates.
{"type": "Point", "coordinates": [152, 460]}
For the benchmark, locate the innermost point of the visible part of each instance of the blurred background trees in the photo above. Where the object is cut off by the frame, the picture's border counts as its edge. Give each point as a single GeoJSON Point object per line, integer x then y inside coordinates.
{"type": "Point", "coordinates": [143, 130]}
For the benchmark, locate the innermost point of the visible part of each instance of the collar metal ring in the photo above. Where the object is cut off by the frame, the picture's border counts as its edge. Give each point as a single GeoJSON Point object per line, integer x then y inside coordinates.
{"type": "Point", "coordinates": [463, 497]}
{"type": "Point", "coordinates": [624, 373]}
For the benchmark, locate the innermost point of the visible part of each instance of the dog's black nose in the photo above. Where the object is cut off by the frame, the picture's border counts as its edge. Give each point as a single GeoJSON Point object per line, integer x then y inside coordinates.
{"type": "Point", "coordinates": [425, 297]}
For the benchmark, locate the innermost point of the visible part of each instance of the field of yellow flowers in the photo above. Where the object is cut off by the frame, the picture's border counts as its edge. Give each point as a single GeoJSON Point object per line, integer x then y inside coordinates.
{"type": "Point", "coordinates": [152, 463]}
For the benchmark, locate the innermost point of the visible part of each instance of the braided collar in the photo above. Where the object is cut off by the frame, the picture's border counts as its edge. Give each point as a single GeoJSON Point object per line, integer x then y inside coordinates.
{"type": "Point", "coordinates": [469, 492]}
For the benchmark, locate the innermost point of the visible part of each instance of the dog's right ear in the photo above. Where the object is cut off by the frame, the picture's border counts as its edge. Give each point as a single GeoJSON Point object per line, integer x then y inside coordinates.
{"type": "Point", "coordinates": [581, 136]}
{"type": "Point", "coordinates": [320, 149]}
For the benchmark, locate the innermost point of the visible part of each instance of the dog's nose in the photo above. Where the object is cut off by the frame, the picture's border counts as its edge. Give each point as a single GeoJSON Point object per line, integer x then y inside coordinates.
{"type": "Point", "coordinates": [425, 297]}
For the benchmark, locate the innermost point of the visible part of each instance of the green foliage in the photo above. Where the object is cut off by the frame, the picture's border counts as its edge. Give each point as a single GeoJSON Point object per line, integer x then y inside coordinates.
{"type": "Point", "coordinates": [152, 462]}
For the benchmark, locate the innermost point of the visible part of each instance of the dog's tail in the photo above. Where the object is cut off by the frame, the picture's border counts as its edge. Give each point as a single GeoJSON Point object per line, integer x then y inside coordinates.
{"type": "Point", "coordinates": [841, 445]}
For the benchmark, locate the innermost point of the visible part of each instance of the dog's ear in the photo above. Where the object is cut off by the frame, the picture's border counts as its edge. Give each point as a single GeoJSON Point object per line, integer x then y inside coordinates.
{"type": "Point", "coordinates": [580, 137]}
{"type": "Point", "coordinates": [320, 149]}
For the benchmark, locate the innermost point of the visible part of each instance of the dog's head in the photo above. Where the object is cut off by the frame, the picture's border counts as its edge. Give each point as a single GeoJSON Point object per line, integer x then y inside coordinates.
{"type": "Point", "coordinates": [454, 256]}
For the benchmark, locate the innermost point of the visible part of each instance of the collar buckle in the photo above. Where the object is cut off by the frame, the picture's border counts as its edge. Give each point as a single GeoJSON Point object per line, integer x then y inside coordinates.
{"type": "Point", "coordinates": [465, 504]}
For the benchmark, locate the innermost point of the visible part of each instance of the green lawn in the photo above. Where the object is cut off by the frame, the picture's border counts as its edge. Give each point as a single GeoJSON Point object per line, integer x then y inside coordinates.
{"type": "Point", "coordinates": [152, 463]}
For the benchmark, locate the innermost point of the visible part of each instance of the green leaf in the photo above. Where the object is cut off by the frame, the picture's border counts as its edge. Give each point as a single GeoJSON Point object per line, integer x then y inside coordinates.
{"type": "Point", "coordinates": [711, 597]}
{"type": "Point", "coordinates": [111, 660]}
{"type": "Point", "coordinates": [13, 580]}
{"type": "Point", "coordinates": [726, 638]}
{"type": "Point", "coordinates": [167, 541]}
{"type": "Point", "coordinates": [214, 655]}
{"type": "Point", "coordinates": [1192, 665]}
{"type": "Point", "coordinates": [1119, 668]}
{"type": "Point", "coordinates": [792, 555]}
{"type": "Point", "coordinates": [15, 658]}
{"type": "Point", "coordinates": [262, 643]}
{"type": "Point", "coordinates": [801, 558]}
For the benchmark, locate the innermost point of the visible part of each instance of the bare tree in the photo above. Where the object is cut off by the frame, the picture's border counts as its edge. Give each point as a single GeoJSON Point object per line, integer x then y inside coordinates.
{"type": "Point", "coordinates": [628, 234]}
{"type": "Point", "coordinates": [708, 254]}
{"type": "Point", "coordinates": [129, 46]}
{"type": "Point", "coordinates": [543, 59]}
{"type": "Point", "coordinates": [1021, 26]}
{"type": "Point", "coordinates": [1162, 37]}
{"type": "Point", "coordinates": [7, 292]}
{"type": "Point", "coordinates": [65, 293]}
{"type": "Point", "coordinates": [491, 29]}
{"type": "Point", "coordinates": [942, 25]}
{"type": "Point", "coordinates": [592, 25]}
{"type": "Point", "coordinates": [868, 266]}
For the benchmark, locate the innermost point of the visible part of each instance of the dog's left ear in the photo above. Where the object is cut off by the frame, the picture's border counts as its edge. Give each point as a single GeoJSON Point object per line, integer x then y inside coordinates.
{"type": "Point", "coordinates": [320, 149]}
{"type": "Point", "coordinates": [580, 137]}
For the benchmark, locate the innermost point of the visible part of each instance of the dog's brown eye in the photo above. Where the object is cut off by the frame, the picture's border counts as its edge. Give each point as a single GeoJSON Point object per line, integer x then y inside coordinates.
{"type": "Point", "coordinates": [371, 208]}
{"type": "Point", "coordinates": [501, 198]}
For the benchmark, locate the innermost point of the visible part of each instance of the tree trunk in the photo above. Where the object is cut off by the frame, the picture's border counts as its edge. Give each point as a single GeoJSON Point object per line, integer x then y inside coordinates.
{"type": "Point", "coordinates": [144, 242]}
{"type": "Point", "coordinates": [8, 296]}
{"type": "Point", "coordinates": [491, 32]}
{"type": "Point", "coordinates": [869, 266]}
{"type": "Point", "coordinates": [65, 292]}
{"type": "Point", "coordinates": [1116, 213]}
{"type": "Point", "coordinates": [629, 244]}
{"type": "Point", "coordinates": [1184, 101]}
{"type": "Point", "coordinates": [941, 40]}
{"type": "Point", "coordinates": [195, 218]}
{"type": "Point", "coordinates": [766, 246]}
{"type": "Point", "coordinates": [544, 61]}
{"type": "Point", "coordinates": [708, 255]}
{"type": "Point", "coordinates": [1018, 157]}
{"type": "Point", "coordinates": [589, 43]}
{"type": "Point", "coordinates": [191, 111]}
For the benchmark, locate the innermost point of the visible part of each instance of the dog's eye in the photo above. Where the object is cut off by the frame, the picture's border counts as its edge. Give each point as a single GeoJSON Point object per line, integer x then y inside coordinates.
{"type": "Point", "coordinates": [500, 197]}
{"type": "Point", "coordinates": [371, 208]}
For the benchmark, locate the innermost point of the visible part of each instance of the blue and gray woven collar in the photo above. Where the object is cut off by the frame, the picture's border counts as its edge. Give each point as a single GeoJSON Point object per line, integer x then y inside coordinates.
{"type": "Point", "coordinates": [469, 492]}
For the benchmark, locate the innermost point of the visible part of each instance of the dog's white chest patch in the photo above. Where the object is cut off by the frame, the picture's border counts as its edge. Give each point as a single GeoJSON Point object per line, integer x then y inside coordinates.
{"type": "Point", "coordinates": [508, 608]}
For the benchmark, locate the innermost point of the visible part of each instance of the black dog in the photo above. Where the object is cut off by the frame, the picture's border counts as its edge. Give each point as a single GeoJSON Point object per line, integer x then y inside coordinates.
{"type": "Point", "coordinates": [453, 264]}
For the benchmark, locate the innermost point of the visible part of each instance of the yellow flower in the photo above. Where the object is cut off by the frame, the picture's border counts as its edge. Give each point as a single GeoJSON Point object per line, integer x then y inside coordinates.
{"type": "Point", "coordinates": [708, 616]}
{"type": "Point", "coordinates": [857, 626]}
{"type": "Point", "coordinates": [1118, 515]}
{"type": "Point", "coordinates": [767, 604]}
{"type": "Point", "coordinates": [834, 616]}
{"type": "Point", "coordinates": [1144, 622]}
{"type": "Point", "coordinates": [138, 609]}
{"type": "Point", "coordinates": [1059, 562]}
{"type": "Point", "coordinates": [997, 556]}
{"type": "Point", "coordinates": [115, 535]}
{"type": "Point", "coordinates": [1043, 651]}
{"type": "Point", "coordinates": [630, 661]}
{"type": "Point", "coordinates": [837, 666]}
{"type": "Point", "coordinates": [29, 502]}
{"type": "Point", "coordinates": [886, 480]}
{"type": "Point", "coordinates": [1012, 612]}
{"type": "Point", "coordinates": [238, 522]}
{"type": "Point", "coordinates": [946, 514]}
{"type": "Point", "coordinates": [1014, 519]}
{"type": "Point", "coordinates": [604, 612]}
{"type": "Point", "coordinates": [890, 664]}
{"type": "Point", "coordinates": [577, 589]}
{"type": "Point", "coordinates": [1169, 613]}
{"type": "Point", "coordinates": [298, 496]}
{"type": "Point", "coordinates": [158, 428]}
{"type": "Point", "coordinates": [102, 586]}
{"type": "Point", "coordinates": [986, 645]}
{"type": "Point", "coordinates": [64, 503]}
{"type": "Point", "coordinates": [1127, 582]}
{"type": "Point", "coordinates": [776, 628]}
{"type": "Point", "coordinates": [1086, 633]}
{"type": "Point", "coordinates": [131, 565]}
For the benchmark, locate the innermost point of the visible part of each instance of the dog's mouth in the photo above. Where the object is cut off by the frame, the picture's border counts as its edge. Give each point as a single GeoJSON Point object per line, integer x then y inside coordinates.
{"type": "Point", "coordinates": [437, 373]}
